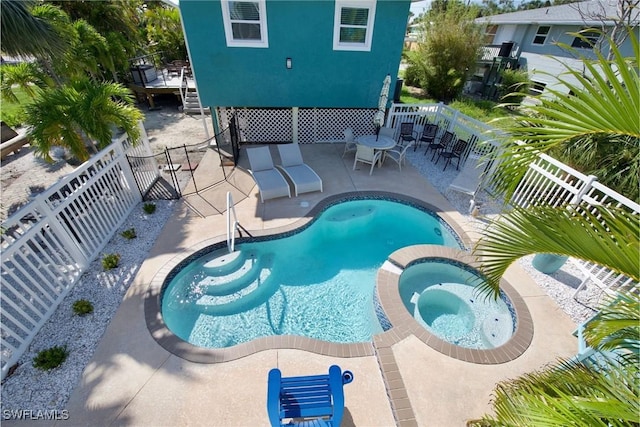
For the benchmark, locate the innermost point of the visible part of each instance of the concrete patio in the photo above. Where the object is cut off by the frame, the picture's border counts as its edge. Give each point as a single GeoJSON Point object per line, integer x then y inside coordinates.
{"type": "Point", "coordinates": [132, 380]}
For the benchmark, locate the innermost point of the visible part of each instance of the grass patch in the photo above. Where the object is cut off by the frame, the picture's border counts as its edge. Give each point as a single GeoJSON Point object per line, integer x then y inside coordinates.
{"type": "Point", "coordinates": [11, 112]}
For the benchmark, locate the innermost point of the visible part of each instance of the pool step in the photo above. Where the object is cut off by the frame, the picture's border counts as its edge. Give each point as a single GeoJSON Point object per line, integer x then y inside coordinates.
{"type": "Point", "coordinates": [248, 298]}
{"type": "Point", "coordinates": [225, 263]}
{"type": "Point", "coordinates": [248, 273]}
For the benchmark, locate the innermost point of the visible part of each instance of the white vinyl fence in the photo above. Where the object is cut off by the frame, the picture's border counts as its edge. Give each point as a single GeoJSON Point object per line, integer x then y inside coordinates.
{"type": "Point", "coordinates": [550, 182]}
{"type": "Point", "coordinates": [48, 243]}
{"type": "Point", "coordinates": [547, 182]}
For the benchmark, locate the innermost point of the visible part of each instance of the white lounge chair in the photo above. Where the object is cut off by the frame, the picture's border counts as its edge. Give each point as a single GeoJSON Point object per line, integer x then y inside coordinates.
{"type": "Point", "coordinates": [303, 178]}
{"type": "Point", "coordinates": [270, 181]}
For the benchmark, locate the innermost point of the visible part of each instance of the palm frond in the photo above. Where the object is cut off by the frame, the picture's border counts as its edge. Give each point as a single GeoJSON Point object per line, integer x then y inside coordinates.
{"type": "Point", "coordinates": [24, 34]}
{"type": "Point", "coordinates": [606, 103]}
{"type": "Point", "coordinates": [606, 236]}
{"type": "Point", "coordinates": [569, 393]}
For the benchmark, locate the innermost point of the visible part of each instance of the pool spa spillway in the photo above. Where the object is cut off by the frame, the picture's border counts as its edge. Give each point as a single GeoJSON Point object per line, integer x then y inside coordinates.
{"type": "Point", "coordinates": [317, 281]}
{"type": "Point", "coordinates": [441, 296]}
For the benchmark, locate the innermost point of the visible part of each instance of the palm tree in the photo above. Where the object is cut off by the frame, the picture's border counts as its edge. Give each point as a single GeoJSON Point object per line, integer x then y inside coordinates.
{"type": "Point", "coordinates": [26, 76]}
{"type": "Point", "coordinates": [80, 113]}
{"type": "Point", "coordinates": [572, 392]}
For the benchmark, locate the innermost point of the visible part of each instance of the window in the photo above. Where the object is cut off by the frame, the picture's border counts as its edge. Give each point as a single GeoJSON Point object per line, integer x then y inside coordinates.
{"type": "Point", "coordinates": [541, 34]}
{"type": "Point", "coordinates": [490, 33]}
{"type": "Point", "coordinates": [245, 23]}
{"type": "Point", "coordinates": [588, 39]}
{"type": "Point", "coordinates": [353, 24]}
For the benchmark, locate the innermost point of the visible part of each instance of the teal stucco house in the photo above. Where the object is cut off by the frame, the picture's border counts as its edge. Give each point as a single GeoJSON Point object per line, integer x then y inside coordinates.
{"type": "Point", "coordinates": [293, 70]}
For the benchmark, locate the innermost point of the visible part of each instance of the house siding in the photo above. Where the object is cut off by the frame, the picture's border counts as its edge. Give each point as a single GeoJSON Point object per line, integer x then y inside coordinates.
{"type": "Point", "coordinates": [302, 31]}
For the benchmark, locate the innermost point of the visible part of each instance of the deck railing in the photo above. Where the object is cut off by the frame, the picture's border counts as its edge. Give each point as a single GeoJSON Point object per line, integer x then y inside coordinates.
{"type": "Point", "coordinates": [49, 243]}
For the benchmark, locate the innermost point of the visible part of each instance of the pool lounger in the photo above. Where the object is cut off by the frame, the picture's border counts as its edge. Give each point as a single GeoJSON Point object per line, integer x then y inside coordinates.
{"type": "Point", "coordinates": [304, 179]}
{"type": "Point", "coordinates": [270, 181]}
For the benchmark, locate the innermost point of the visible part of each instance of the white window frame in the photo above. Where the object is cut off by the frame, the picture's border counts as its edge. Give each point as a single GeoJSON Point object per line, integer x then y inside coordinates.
{"type": "Point", "coordinates": [356, 4]}
{"type": "Point", "coordinates": [228, 31]}
{"type": "Point", "coordinates": [546, 36]}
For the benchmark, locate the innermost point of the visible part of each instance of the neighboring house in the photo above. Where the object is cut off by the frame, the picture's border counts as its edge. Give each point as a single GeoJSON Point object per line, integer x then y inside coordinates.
{"type": "Point", "coordinates": [295, 70]}
{"type": "Point", "coordinates": [535, 34]}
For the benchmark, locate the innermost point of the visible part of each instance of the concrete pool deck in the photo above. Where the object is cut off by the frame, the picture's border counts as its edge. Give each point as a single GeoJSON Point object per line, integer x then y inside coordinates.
{"type": "Point", "coordinates": [132, 380]}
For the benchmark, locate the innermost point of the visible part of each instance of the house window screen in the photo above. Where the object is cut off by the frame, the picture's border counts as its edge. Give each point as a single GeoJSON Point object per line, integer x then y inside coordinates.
{"type": "Point", "coordinates": [353, 25]}
{"type": "Point", "coordinates": [541, 34]}
{"type": "Point", "coordinates": [587, 40]}
{"type": "Point", "coordinates": [245, 23]}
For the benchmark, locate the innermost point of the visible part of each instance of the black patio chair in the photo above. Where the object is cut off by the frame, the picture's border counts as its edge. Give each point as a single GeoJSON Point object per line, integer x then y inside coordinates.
{"type": "Point", "coordinates": [407, 134]}
{"type": "Point", "coordinates": [455, 153]}
{"type": "Point", "coordinates": [444, 141]}
{"type": "Point", "coordinates": [428, 135]}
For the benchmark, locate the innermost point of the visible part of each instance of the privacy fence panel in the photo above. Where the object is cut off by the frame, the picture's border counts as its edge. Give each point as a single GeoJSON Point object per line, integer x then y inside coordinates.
{"type": "Point", "coordinates": [48, 243]}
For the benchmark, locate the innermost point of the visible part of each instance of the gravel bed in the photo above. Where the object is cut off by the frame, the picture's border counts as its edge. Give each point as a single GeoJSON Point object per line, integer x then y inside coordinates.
{"type": "Point", "coordinates": [31, 388]}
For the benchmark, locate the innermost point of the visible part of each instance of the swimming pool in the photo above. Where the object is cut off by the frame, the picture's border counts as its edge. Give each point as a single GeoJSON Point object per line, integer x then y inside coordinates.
{"type": "Point", "coordinates": [317, 281]}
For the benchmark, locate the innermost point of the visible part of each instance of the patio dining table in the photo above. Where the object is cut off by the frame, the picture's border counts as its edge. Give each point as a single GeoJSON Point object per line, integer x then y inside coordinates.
{"type": "Point", "coordinates": [377, 142]}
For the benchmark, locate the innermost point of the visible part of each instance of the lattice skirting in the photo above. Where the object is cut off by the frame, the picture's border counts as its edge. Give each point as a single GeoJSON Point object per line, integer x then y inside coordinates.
{"type": "Point", "coordinates": [269, 125]}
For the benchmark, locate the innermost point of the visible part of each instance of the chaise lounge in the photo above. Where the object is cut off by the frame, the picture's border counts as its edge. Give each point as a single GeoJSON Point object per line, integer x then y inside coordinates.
{"type": "Point", "coordinates": [303, 178]}
{"type": "Point", "coordinates": [270, 182]}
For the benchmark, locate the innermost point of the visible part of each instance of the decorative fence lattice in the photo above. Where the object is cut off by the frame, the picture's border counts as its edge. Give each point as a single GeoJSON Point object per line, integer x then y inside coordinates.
{"type": "Point", "coordinates": [48, 243]}
{"type": "Point", "coordinates": [259, 125]}
{"type": "Point", "coordinates": [328, 124]}
{"type": "Point", "coordinates": [311, 125]}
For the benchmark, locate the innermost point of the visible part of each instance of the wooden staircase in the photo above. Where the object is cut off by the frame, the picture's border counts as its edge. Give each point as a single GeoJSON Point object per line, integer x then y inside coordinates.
{"type": "Point", "coordinates": [189, 97]}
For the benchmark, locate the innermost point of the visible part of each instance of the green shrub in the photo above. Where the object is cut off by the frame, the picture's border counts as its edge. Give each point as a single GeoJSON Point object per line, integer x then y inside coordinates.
{"type": "Point", "coordinates": [110, 261]}
{"type": "Point", "coordinates": [513, 86]}
{"type": "Point", "coordinates": [82, 307]}
{"type": "Point", "coordinates": [50, 358]}
{"type": "Point", "coordinates": [413, 75]}
{"type": "Point", "coordinates": [149, 208]}
{"type": "Point", "coordinates": [129, 233]}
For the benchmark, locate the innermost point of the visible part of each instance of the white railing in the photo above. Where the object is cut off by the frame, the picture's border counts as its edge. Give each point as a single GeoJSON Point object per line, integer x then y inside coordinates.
{"type": "Point", "coordinates": [550, 182]}
{"type": "Point", "coordinates": [232, 225]}
{"type": "Point", "coordinates": [48, 243]}
{"type": "Point", "coordinates": [480, 136]}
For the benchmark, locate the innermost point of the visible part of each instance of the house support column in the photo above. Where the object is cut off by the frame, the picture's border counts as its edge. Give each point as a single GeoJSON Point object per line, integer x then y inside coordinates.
{"type": "Point", "coordinates": [294, 124]}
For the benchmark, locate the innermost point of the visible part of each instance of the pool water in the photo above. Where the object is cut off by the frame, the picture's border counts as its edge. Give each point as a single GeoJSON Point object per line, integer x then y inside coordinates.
{"type": "Point", "coordinates": [317, 283]}
{"type": "Point", "coordinates": [441, 296]}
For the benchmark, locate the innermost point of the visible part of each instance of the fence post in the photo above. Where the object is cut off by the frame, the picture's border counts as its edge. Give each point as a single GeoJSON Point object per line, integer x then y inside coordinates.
{"type": "Point", "coordinates": [67, 241]}
{"type": "Point", "coordinates": [294, 124]}
{"type": "Point", "coordinates": [577, 198]}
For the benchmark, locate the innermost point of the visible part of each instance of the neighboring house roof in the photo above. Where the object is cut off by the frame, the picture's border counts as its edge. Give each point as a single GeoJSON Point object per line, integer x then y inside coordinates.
{"type": "Point", "coordinates": [582, 13]}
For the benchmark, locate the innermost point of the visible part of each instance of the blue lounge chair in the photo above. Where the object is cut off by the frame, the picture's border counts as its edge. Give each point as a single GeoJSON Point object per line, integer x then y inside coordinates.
{"type": "Point", "coordinates": [313, 400]}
